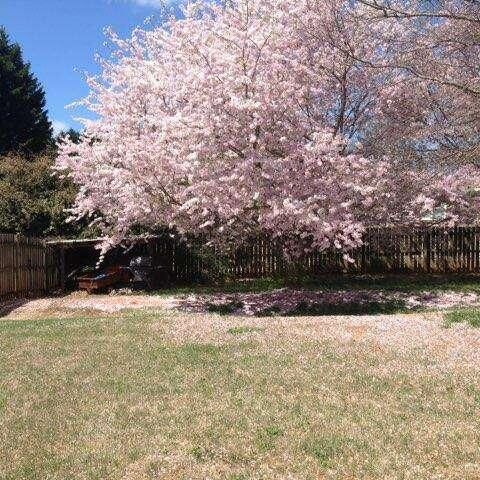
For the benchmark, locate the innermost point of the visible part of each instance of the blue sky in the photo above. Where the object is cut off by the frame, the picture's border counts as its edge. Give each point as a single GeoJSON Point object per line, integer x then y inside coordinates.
{"type": "Point", "coordinates": [59, 36]}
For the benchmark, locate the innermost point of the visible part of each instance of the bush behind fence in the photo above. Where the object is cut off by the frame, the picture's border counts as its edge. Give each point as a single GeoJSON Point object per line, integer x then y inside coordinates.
{"type": "Point", "coordinates": [31, 267]}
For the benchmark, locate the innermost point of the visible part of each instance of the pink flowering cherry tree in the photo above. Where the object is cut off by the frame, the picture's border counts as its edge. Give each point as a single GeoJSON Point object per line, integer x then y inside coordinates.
{"type": "Point", "coordinates": [248, 118]}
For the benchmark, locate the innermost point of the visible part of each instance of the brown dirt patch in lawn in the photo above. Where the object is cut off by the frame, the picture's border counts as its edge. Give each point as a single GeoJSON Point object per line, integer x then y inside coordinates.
{"type": "Point", "coordinates": [82, 302]}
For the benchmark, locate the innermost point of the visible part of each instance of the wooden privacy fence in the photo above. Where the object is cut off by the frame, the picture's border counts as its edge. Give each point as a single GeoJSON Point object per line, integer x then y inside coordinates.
{"type": "Point", "coordinates": [433, 250]}
{"type": "Point", "coordinates": [27, 267]}
{"type": "Point", "coordinates": [31, 267]}
{"type": "Point", "coordinates": [387, 250]}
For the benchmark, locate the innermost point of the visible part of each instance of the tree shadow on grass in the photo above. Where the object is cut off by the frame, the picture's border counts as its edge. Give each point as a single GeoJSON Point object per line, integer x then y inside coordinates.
{"type": "Point", "coordinates": [354, 308]}
{"type": "Point", "coordinates": [287, 302]}
{"type": "Point", "coordinates": [9, 306]}
{"type": "Point", "coordinates": [317, 309]}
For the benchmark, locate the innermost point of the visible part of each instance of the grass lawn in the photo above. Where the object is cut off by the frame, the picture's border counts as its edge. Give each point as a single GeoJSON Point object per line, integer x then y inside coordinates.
{"type": "Point", "coordinates": [470, 316]}
{"type": "Point", "coordinates": [155, 395]}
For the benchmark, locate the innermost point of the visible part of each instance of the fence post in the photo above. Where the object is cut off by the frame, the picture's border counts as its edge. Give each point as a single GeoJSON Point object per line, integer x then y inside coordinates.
{"type": "Point", "coordinates": [366, 238]}
{"type": "Point", "coordinates": [429, 251]}
{"type": "Point", "coordinates": [16, 263]}
{"type": "Point", "coordinates": [62, 268]}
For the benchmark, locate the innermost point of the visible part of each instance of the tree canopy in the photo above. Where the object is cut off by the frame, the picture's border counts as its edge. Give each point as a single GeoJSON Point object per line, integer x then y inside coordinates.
{"type": "Point", "coordinates": [24, 124]}
{"type": "Point", "coordinates": [32, 201]}
{"type": "Point", "coordinates": [309, 121]}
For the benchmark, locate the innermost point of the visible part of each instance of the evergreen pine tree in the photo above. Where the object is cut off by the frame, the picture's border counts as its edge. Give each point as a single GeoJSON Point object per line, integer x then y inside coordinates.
{"type": "Point", "coordinates": [24, 124]}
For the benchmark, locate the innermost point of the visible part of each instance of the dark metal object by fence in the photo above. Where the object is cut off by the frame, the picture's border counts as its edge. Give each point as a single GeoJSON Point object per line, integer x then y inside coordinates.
{"type": "Point", "coordinates": [143, 270]}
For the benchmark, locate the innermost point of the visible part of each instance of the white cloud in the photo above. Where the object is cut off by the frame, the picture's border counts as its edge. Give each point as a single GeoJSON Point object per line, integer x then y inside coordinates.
{"type": "Point", "coordinates": [157, 4]}
{"type": "Point", "coordinates": [59, 126]}
{"type": "Point", "coordinates": [150, 3]}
